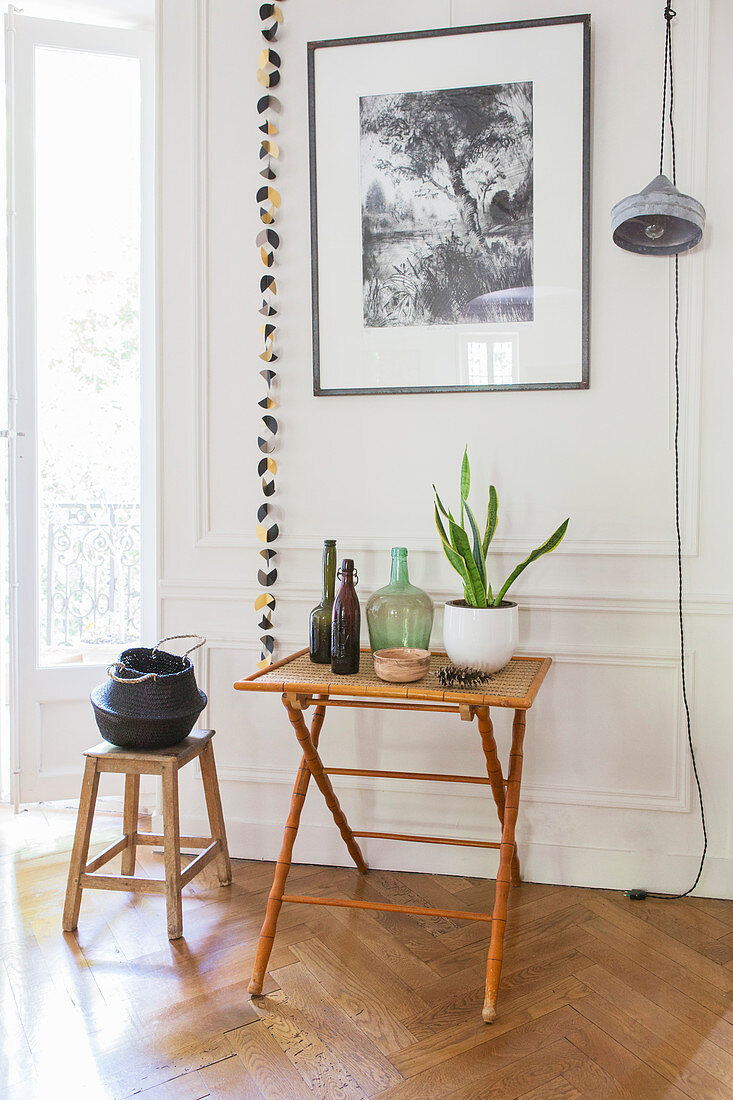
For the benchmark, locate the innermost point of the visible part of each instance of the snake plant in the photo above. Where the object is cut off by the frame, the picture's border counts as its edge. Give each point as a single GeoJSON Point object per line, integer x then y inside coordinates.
{"type": "Point", "coordinates": [466, 550]}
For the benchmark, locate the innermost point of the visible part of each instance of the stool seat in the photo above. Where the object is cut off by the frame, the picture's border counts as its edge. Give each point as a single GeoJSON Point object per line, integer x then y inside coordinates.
{"type": "Point", "coordinates": [133, 763]}
{"type": "Point", "coordinates": [150, 761]}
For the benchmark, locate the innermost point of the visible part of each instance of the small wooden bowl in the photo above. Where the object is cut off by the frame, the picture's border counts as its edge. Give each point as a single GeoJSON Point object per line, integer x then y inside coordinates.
{"type": "Point", "coordinates": [401, 666]}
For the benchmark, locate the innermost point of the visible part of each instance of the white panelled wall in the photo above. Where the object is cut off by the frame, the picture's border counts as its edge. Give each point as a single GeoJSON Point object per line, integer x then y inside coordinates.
{"type": "Point", "coordinates": [608, 799]}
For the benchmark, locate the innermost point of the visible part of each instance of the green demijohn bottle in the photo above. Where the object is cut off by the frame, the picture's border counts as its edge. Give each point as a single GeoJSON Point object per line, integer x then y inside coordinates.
{"type": "Point", "coordinates": [399, 615]}
{"type": "Point", "coordinates": [346, 623]}
{"type": "Point", "coordinates": [320, 618]}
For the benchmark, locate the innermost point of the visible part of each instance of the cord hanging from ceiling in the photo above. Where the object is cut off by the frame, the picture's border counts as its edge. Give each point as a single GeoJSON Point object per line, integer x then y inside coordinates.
{"type": "Point", "coordinates": [662, 221]}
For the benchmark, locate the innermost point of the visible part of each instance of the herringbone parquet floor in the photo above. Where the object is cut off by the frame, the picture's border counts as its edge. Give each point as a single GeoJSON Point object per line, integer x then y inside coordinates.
{"type": "Point", "coordinates": [600, 997]}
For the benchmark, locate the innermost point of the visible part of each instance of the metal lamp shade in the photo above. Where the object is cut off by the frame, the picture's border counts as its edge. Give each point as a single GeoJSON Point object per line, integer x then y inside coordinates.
{"type": "Point", "coordinates": [659, 221]}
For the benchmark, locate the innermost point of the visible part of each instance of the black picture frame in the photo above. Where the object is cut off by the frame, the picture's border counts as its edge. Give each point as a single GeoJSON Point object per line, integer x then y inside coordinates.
{"type": "Point", "coordinates": [312, 48]}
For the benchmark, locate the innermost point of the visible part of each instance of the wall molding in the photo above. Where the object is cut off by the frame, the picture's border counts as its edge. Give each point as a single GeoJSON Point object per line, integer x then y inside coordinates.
{"type": "Point", "coordinates": [636, 603]}
{"type": "Point", "coordinates": [676, 799]}
{"type": "Point", "coordinates": [558, 864]}
{"type": "Point", "coordinates": [200, 145]}
{"type": "Point", "coordinates": [690, 353]}
{"type": "Point", "coordinates": [658, 548]}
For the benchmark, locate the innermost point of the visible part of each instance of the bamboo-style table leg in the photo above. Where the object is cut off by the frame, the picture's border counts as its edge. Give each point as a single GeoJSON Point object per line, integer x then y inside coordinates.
{"type": "Point", "coordinates": [315, 767]}
{"type": "Point", "coordinates": [282, 867]}
{"type": "Point", "coordinates": [506, 852]}
{"type": "Point", "coordinates": [496, 778]}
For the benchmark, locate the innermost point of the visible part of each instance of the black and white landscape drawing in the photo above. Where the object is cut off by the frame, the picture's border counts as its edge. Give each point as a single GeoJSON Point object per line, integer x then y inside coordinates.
{"type": "Point", "coordinates": [447, 206]}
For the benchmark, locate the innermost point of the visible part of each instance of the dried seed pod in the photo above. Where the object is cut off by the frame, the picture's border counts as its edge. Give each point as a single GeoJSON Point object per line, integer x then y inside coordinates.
{"type": "Point", "coordinates": [455, 676]}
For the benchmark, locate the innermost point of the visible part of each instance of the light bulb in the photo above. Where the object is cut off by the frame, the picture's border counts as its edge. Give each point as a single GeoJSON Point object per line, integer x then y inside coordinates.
{"type": "Point", "coordinates": [654, 231]}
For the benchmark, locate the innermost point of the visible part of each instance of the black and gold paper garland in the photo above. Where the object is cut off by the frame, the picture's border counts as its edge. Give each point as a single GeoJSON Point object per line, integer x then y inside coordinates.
{"type": "Point", "coordinates": [273, 17]}
{"type": "Point", "coordinates": [268, 242]}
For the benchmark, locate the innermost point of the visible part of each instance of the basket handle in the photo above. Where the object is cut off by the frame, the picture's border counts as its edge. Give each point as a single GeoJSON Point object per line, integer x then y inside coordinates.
{"type": "Point", "coordinates": [172, 637]}
{"type": "Point", "coordinates": [128, 679]}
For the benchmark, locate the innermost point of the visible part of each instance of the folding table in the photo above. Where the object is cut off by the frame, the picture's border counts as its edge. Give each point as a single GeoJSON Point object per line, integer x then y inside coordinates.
{"type": "Point", "coordinates": [303, 684]}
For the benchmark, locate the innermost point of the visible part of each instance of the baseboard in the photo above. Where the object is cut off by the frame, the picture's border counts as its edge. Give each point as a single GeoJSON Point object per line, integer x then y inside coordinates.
{"type": "Point", "coordinates": [561, 865]}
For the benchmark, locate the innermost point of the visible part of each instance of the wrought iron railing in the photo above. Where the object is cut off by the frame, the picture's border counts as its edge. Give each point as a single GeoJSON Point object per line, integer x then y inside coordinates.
{"type": "Point", "coordinates": [91, 574]}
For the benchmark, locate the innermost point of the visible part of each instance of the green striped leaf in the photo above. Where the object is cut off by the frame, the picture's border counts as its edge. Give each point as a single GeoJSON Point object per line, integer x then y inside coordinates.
{"type": "Point", "coordinates": [439, 502]}
{"type": "Point", "coordinates": [554, 540]}
{"type": "Point", "coordinates": [455, 559]}
{"type": "Point", "coordinates": [492, 518]}
{"type": "Point", "coordinates": [478, 555]}
{"type": "Point", "coordinates": [475, 589]}
{"type": "Point", "coordinates": [465, 476]}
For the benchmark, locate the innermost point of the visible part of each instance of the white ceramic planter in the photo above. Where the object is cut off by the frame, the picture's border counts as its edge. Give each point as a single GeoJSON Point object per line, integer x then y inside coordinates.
{"type": "Point", "coordinates": [480, 637]}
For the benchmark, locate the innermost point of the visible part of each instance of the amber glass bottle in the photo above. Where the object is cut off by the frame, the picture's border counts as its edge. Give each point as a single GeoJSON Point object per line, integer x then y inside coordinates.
{"type": "Point", "coordinates": [346, 623]}
{"type": "Point", "coordinates": [320, 620]}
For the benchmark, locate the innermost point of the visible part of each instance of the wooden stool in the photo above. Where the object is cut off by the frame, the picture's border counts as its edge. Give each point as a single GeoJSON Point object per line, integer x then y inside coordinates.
{"type": "Point", "coordinates": [134, 763]}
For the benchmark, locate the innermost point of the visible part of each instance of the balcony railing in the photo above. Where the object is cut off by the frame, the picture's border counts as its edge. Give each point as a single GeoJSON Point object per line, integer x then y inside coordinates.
{"type": "Point", "coordinates": [91, 574]}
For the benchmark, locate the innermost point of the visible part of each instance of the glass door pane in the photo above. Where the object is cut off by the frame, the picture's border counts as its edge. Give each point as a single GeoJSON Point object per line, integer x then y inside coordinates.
{"type": "Point", "coordinates": [88, 396]}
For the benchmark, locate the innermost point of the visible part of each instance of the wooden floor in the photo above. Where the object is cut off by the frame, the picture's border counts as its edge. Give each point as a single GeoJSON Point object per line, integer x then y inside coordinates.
{"type": "Point", "coordinates": [600, 997]}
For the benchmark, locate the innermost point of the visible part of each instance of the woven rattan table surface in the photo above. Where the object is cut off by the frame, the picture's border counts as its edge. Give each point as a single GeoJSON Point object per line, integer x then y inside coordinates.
{"type": "Point", "coordinates": [515, 685]}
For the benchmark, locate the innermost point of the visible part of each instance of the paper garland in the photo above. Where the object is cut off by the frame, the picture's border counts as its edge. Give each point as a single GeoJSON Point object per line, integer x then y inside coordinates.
{"type": "Point", "coordinates": [268, 242]}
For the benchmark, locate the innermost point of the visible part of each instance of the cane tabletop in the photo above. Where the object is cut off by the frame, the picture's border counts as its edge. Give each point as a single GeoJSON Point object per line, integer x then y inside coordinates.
{"type": "Point", "coordinates": [515, 685]}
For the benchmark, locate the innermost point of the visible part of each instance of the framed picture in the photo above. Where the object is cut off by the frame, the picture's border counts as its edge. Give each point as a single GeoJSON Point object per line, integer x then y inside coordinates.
{"type": "Point", "coordinates": [450, 209]}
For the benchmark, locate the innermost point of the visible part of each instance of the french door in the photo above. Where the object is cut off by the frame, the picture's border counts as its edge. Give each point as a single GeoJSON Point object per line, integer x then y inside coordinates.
{"type": "Point", "coordinates": [81, 425]}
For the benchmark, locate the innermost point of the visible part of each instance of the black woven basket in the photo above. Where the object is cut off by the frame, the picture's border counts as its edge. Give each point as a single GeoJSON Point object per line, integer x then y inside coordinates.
{"type": "Point", "coordinates": [150, 699]}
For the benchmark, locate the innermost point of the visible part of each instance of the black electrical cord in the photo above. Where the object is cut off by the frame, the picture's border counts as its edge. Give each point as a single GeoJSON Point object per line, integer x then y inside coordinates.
{"type": "Point", "coordinates": [639, 894]}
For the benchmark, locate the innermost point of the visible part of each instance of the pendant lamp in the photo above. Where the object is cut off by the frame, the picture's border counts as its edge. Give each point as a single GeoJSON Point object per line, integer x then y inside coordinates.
{"type": "Point", "coordinates": [661, 221]}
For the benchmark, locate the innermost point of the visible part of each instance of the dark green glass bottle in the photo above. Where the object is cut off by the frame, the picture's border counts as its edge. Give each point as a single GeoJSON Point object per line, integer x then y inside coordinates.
{"type": "Point", "coordinates": [320, 620]}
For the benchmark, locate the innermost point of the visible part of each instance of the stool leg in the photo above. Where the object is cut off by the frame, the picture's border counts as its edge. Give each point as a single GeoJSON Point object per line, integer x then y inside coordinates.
{"type": "Point", "coordinates": [130, 821]}
{"type": "Point", "coordinates": [172, 851]}
{"type": "Point", "coordinates": [506, 852]}
{"type": "Point", "coordinates": [274, 901]}
{"type": "Point", "coordinates": [80, 851]}
{"type": "Point", "coordinates": [216, 817]}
